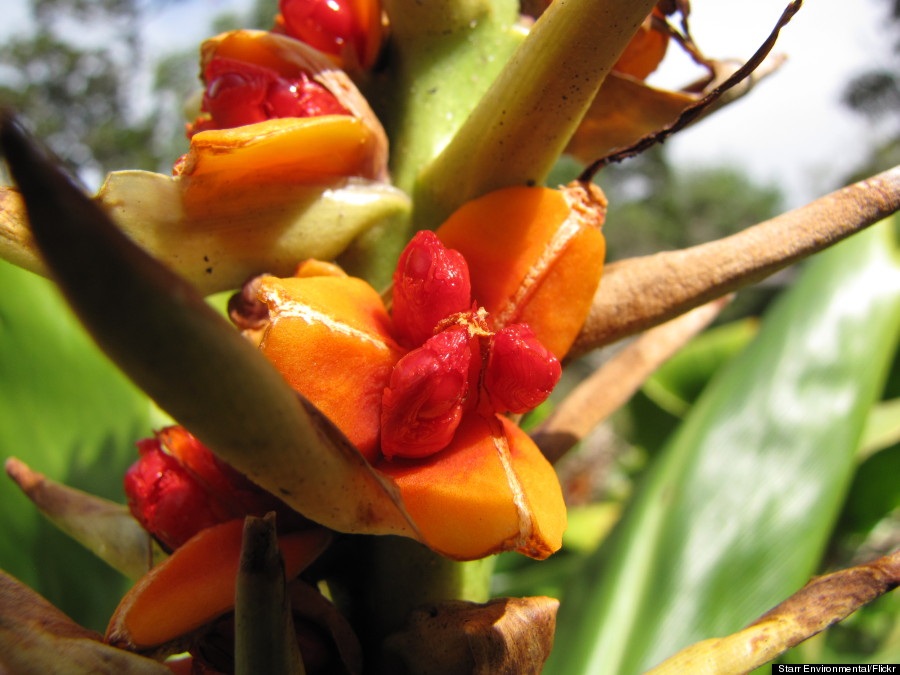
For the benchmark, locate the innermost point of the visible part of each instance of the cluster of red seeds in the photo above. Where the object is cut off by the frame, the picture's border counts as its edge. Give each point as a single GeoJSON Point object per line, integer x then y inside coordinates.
{"type": "Point", "coordinates": [178, 487]}
{"type": "Point", "coordinates": [457, 362]}
{"type": "Point", "coordinates": [239, 93]}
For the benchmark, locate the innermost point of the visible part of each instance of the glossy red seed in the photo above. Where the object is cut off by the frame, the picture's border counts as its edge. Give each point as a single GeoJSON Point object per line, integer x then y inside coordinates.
{"type": "Point", "coordinates": [520, 372]}
{"type": "Point", "coordinates": [178, 487]}
{"type": "Point", "coordinates": [423, 403]}
{"type": "Point", "coordinates": [327, 25]}
{"type": "Point", "coordinates": [167, 500]}
{"type": "Point", "coordinates": [240, 93]}
{"type": "Point", "coordinates": [431, 283]}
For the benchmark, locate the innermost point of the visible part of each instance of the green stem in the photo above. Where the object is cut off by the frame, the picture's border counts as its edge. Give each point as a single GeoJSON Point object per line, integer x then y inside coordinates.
{"type": "Point", "coordinates": [377, 581]}
{"type": "Point", "coordinates": [407, 574]}
{"type": "Point", "coordinates": [524, 122]}
{"type": "Point", "coordinates": [443, 56]}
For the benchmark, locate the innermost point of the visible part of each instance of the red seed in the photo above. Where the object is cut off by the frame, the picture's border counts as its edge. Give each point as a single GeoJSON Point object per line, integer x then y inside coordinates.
{"type": "Point", "coordinates": [240, 93]}
{"type": "Point", "coordinates": [520, 371]}
{"type": "Point", "coordinates": [423, 404]}
{"type": "Point", "coordinates": [431, 283]}
{"type": "Point", "coordinates": [327, 25]}
{"type": "Point", "coordinates": [179, 487]}
{"type": "Point", "coordinates": [167, 500]}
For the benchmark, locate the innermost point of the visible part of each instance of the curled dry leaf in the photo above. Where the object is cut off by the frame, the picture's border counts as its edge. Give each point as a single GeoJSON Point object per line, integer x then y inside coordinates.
{"type": "Point", "coordinates": [638, 293]}
{"type": "Point", "coordinates": [36, 638]}
{"type": "Point", "coordinates": [733, 84]}
{"type": "Point", "coordinates": [821, 603]}
{"type": "Point", "coordinates": [506, 636]}
{"type": "Point", "coordinates": [105, 528]}
{"type": "Point", "coordinates": [627, 109]}
{"type": "Point", "coordinates": [610, 387]}
{"type": "Point", "coordinates": [311, 607]}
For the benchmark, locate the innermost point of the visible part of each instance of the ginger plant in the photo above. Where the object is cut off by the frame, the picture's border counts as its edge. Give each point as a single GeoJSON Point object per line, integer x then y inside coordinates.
{"type": "Point", "coordinates": [382, 427]}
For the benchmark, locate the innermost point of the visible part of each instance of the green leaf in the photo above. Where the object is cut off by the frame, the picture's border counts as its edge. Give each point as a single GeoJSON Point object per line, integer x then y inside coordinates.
{"type": "Point", "coordinates": [734, 515]}
{"type": "Point", "coordinates": [70, 414]}
{"type": "Point", "coordinates": [882, 428]}
{"type": "Point", "coordinates": [681, 379]}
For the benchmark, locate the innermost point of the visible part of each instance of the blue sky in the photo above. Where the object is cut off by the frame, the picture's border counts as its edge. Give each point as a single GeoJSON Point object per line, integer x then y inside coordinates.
{"type": "Point", "coordinates": [792, 130]}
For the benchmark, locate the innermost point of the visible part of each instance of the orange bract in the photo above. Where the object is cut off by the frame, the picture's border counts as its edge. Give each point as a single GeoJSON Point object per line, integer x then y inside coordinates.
{"type": "Point", "coordinates": [287, 150]}
{"type": "Point", "coordinates": [491, 490]}
{"type": "Point", "coordinates": [330, 337]}
{"type": "Point", "coordinates": [196, 584]}
{"type": "Point", "coordinates": [535, 255]}
{"type": "Point", "coordinates": [645, 51]}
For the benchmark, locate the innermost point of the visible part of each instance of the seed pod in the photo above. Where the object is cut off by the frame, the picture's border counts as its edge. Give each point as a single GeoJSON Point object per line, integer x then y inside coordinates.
{"type": "Point", "coordinates": [178, 487]}
{"type": "Point", "coordinates": [535, 256]}
{"type": "Point", "coordinates": [289, 59]}
{"type": "Point", "coordinates": [239, 93]}
{"type": "Point", "coordinates": [349, 31]}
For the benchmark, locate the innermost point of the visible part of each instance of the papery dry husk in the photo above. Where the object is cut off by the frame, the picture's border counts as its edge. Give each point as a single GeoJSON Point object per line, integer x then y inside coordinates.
{"type": "Point", "coordinates": [505, 636]}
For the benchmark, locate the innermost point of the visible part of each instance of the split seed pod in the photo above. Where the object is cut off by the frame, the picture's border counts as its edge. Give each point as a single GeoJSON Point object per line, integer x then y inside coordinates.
{"type": "Point", "coordinates": [250, 199]}
{"type": "Point", "coordinates": [481, 485]}
{"type": "Point", "coordinates": [535, 256]}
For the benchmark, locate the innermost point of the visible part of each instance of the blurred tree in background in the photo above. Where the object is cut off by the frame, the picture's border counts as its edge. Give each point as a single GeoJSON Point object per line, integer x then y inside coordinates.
{"type": "Point", "coordinates": [876, 95]}
{"type": "Point", "coordinates": [90, 90]}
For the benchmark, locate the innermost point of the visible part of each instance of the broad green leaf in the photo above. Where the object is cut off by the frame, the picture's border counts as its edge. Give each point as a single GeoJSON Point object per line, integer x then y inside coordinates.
{"type": "Point", "coordinates": [681, 379]}
{"type": "Point", "coordinates": [733, 516]}
{"type": "Point", "coordinates": [66, 411]}
{"type": "Point", "coordinates": [874, 493]}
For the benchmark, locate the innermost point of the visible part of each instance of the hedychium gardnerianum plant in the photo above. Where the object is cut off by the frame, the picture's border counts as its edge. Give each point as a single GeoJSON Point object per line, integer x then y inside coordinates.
{"type": "Point", "coordinates": [381, 428]}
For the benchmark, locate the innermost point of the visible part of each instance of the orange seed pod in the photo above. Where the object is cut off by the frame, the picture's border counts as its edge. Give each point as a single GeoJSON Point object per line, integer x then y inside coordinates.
{"type": "Point", "coordinates": [535, 256]}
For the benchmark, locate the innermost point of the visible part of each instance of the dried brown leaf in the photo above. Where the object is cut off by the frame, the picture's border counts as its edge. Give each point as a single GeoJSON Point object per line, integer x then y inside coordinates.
{"type": "Point", "coordinates": [638, 293]}
{"type": "Point", "coordinates": [624, 110]}
{"type": "Point", "coordinates": [823, 602]}
{"type": "Point", "coordinates": [36, 638]}
{"type": "Point", "coordinates": [712, 97]}
{"type": "Point", "coordinates": [506, 636]}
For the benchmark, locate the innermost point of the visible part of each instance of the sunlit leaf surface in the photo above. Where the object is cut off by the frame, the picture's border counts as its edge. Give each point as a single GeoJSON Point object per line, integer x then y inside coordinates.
{"type": "Point", "coordinates": [733, 517]}
{"type": "Point", "coordinates": [71, 415]}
